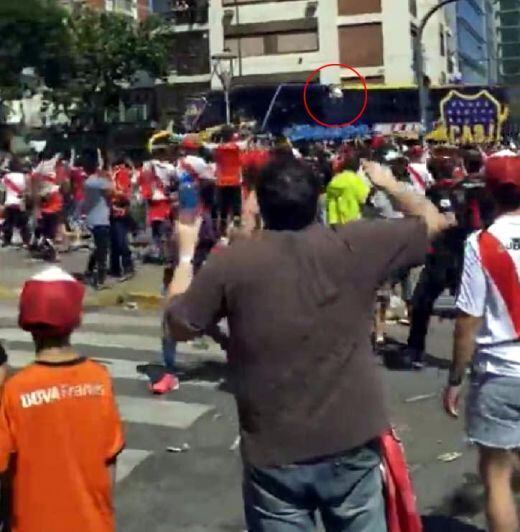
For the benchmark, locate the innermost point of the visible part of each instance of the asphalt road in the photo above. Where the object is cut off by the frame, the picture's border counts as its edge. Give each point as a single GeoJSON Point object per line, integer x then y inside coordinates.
{"type": "Point", "coordinates": [199, 489]}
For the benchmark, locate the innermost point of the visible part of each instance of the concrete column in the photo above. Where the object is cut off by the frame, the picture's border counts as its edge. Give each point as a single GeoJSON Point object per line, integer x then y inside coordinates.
{"type": "Point", "coordinates": [216, 34]}
{"type": "Point", "coordinates": [329, 40]}
{"type": "Point", "coordinates": [397, 42]}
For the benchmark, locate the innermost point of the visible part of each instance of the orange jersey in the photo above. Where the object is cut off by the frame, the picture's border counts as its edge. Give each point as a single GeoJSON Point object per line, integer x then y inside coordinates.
{"type": "Point", "coordinates": [60, 423]}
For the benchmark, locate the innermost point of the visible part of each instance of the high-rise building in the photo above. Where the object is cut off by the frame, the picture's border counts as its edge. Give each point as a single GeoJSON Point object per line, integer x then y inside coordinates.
{"type": "Point", "coordinates": [508, 22]}
{"type": "Point", "coordinates": [473, 25]}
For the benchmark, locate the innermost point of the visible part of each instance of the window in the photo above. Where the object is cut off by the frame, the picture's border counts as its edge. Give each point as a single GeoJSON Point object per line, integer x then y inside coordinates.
{"type": "Point", "coordinates": [246, 46]}
{"type": "Point", "coordinates": [442, 36]}
{"type": "Point", "coordinates": [305, 41]}
{"type": "Point", "coordinates": [273, 43]}
{"type": "Point", "coordinates": [368, 55]}
{"type": "Point", "coordinates": [357, 7]}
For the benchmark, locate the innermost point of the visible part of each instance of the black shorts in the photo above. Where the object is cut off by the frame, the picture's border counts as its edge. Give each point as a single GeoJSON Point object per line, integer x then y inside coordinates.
{"type": "Point", "coordinates": [229, 200]}
{"type": "Point", "coordinates": [49, 223]}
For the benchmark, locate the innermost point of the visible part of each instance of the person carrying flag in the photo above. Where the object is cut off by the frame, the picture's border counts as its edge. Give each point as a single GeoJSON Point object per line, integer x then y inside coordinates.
{"type": "Point", "coordinates": [487, 335]}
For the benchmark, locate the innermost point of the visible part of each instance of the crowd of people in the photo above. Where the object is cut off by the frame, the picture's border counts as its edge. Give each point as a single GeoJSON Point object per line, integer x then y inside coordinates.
{"type": "Point", "coordinates": [299, 248]}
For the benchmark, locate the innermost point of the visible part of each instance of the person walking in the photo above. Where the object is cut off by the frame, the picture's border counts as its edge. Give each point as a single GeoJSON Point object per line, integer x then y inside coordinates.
{"type": "Point", "coordinates": [96, 206]}
{"type": "Point", "coordinates": [15, 215]}
{"type": "Point", "coordinates": [487, 335]}
{"type": "Point", "coordinates": [227, 157]}
{"type": "Point", "coordinates": [121, 263]}
{"type": "Point", "coordinates": [299, 299]}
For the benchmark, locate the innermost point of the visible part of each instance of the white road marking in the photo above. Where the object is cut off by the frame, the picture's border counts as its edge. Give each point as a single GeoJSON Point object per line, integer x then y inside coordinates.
{"type": "Point", "coordinates": [98, 318]}
{"type": "Point", "coordinates": [128, 460]}
{"type": "Point", "coordinates": [131, 342]}
{"type": "Point", "coordinates": [119, 368]}
{"type": "Point", "coordinates": [160, 412]}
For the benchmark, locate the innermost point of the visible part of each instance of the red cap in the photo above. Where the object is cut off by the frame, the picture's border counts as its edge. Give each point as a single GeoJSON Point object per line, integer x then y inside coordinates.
{"type": "Point", "coordinates": [416, 151]}
{"type": "Point", "coordinates": [51, 303]}
{"type": "Point", "coordinates": [377, 142]}
{"type": "Point", "coordinates": [503, 171]}
{"type": "Point", "coordinates": [191, 142]}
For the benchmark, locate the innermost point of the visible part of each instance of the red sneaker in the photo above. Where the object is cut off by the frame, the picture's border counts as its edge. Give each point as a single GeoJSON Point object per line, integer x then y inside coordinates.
{"type": "Point", "coordinates": [168, 383]}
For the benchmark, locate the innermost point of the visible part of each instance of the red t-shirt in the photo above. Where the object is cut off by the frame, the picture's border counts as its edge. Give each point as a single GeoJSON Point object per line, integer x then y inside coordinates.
{"type": "Point", "coordinates": [227, 158]}
{"type": "Point", "coordinates": [77, 180]}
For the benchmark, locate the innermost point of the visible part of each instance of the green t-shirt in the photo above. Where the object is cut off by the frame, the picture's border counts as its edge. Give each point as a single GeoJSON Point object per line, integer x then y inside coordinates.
{"type": "Point", "coordinates": [346, 193]}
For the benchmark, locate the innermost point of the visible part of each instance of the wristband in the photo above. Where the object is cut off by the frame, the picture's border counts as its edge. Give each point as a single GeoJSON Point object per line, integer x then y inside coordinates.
{"type": "Point", "coordinates": [455, 381]}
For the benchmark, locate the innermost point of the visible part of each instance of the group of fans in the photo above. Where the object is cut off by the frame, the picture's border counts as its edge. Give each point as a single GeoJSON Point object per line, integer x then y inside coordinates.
{"type": "Point", "coordinates": [198, 197]}
{"type": "Point", "coordinates": [67, 195]}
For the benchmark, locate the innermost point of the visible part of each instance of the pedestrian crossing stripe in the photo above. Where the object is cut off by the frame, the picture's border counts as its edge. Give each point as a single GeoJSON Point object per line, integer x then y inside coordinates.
{"type": "Point", "coordinates": [128, 460]}
{"type": "Point", "coordinates": [129, 342]}
{"type": "Point", "coordinates": [151, 411]}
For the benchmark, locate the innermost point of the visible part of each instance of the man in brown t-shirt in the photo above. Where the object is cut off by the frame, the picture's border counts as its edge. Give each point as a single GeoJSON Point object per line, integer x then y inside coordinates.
{"type": "Point", "coordinates": [299, 300]}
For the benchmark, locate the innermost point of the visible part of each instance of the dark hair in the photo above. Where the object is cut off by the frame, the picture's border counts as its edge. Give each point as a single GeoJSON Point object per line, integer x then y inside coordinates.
{"type": "Point", "coordinates": [507, 197]}
{"type": "Point", "coordinates": [15, 165]}
{"type": "Point", "coordinates": [90, 160]}
{"type": "Point", "coordinates": [472, 161]}
{"type": "Point", "coordinates": [227, 133]}
{"type": "Point", "coordinates": [288, 192]}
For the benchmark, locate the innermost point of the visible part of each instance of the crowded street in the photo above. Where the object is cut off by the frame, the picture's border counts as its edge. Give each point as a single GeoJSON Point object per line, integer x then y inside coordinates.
{"type": "Point", "coordinates": [197, 488]}
{"type": "Point", "coordinates": [199, 421]}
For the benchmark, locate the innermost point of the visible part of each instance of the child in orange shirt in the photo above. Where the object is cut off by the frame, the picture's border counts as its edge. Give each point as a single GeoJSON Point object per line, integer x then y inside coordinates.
{"type": "Point", "coordinates": [58, 420]}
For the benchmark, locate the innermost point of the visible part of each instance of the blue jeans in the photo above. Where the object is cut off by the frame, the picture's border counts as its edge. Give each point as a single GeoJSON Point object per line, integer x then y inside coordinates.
{"type": "Point", "coordinates": [346, 489]}
{"type": "Point", "coordinates": [120, 254]}
{"type": "Point", "coordinates": [169, 352]}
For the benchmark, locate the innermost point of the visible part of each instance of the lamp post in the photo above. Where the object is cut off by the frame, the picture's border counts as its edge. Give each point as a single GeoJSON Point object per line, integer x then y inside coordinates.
{"type": "Point", "coordinates": [419, 62]}
{"type": "Point", "coordinates": [223, 68]}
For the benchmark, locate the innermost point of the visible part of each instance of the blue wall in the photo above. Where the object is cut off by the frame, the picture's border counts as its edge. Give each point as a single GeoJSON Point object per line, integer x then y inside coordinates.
{"type": "Point", "coordinates": [472, 41]}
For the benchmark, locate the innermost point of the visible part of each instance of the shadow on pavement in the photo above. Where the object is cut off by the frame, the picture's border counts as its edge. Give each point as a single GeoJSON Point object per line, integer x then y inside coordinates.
{"type": "Point", "coordinates": [394, 357]}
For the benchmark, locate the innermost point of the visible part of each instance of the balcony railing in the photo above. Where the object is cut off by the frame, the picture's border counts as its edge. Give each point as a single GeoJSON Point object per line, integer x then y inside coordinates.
{"type": "Point", "coordinates": [189, 12]}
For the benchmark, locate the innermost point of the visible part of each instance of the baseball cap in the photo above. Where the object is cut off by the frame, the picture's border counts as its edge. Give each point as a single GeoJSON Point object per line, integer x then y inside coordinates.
{"type": "Point", "coordinates": [503, 168]}
{"type": "Point", "coordinates": [51, 303]}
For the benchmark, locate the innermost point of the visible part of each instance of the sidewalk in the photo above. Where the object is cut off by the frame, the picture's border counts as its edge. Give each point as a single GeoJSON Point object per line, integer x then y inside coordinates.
{"type": "Point", "coordinates": [144, 289]}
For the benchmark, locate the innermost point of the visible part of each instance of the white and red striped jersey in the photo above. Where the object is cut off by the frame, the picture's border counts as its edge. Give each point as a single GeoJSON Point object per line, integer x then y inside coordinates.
{"type": "Point", "coordinates": [420, 177]}
{"type": "Point", "coordinates": [490, 288]}
{"type": "Point", "coordinates": [15, 185]}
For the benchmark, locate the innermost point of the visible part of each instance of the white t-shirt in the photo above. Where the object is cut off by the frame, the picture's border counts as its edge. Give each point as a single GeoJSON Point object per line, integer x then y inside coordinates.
{"type": "Point", "coordinates": [166, 173]}
{"type": "Point", "coordinates": [12, 181]}
{"type": "Point", "coordinates": [498, 345]}
{"type": "Point", "coordinates": [199, 166]}
{"type": "Point", "coordinates": [420, 177]}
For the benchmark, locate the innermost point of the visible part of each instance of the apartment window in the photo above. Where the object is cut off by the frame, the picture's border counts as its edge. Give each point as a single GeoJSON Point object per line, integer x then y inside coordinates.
{"type": "Point", "coordinates": [305, 41]}
{"type": "Point", "coordinates": [273, 43]}
{"type": "Point", "coordinates": [358, 7]}
{"type": "Point", "coordinates": [413, 7]}
{"type": "Point", "coordinates": [368, 55]}
{"type": "Point", "coordinates": [246, 46]}
{"type": "Point", "coordinates": [442, 36]}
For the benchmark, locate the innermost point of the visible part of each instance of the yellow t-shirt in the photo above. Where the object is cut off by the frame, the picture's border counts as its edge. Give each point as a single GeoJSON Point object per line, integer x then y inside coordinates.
{"type": "Point", "coordinates": [346, 193]}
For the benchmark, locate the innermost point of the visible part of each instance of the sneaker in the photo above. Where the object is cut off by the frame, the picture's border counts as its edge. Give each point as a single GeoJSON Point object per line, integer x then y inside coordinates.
{"type": "Point", "coordinates": [168, 383]}
{"type": "Point", "coordinates": [414, 358]}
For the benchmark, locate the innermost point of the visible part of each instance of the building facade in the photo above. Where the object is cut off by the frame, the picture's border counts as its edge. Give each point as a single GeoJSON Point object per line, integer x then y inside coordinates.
{"type": "Point", "coordinates": [473, 23]}
{"type": "Point", "coordinates": [508, 22]}
{"type": "Point", "coordinates": [286, 40]}
{"type": "Point", "coordinates": [137, 9]}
